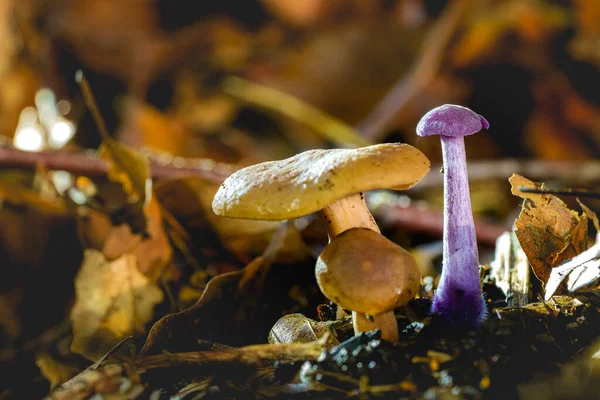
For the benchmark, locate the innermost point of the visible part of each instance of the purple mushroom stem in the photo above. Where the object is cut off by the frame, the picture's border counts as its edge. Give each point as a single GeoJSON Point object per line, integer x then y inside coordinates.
{"type": "Point", "coordinates": [458, 298]}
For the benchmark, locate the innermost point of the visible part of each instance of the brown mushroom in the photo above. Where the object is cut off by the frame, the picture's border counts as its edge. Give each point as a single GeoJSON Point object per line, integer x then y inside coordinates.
{"type": "Point", "coordinates": [329, 182]}
{"type": "Point", "coordinates": [368, 279]}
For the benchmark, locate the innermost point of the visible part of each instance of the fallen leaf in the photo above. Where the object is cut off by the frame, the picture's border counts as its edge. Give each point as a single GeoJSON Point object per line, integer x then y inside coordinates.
{"type": "Point", "coordinates": [582, 271]}
{"type": "Point", "coordinates": [548, 231]}
{"type": "Point", "coordinates": [55, 371]}
{"type": "Point", "coordinates": [153, 253]}
{"type": "Point", "coordinates": [297, 328]}
{"type": "Point", "coordinates": [233, 307]}
{"type": "Point", "coordinates": [225, 305]}
{"type": "Point", "coordinates": [113, 300]}
{"type": "Point", "coordinates": [130, 168]}
{"type": "Point", "coordinates": [591, 215]}
{"type": "Point", "coordinates": [180, 331]}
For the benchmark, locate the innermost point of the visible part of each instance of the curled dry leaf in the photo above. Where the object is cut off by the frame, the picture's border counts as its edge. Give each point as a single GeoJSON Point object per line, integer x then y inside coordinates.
{"type": "Point", "coordinates": [582, 271]}
{"type": "Point", "coordinates": [548, 231]}
{"type": "Point", "coordinates": [591, 215]}
{"type": "Point", "coordinates": [297, 328]}
{"type": "Point", "coordinates": [181, 331]}
{"type": "Point", "coordinates": [113, 300]}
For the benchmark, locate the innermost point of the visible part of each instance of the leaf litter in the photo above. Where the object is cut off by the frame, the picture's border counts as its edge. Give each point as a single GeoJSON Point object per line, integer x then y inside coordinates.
{"type": "Point", "coordinates": [174, 244]}
{"type": "Point", "coordinates": [114, 300]}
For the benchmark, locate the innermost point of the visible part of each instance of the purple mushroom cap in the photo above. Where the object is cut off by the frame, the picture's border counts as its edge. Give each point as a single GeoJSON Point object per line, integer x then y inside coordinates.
{"type": "Point", "coordinates": [451, 120]}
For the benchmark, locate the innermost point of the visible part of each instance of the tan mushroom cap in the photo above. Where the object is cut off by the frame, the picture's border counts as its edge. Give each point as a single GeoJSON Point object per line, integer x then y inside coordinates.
{"type": "Point", "coordinates": [310, 181]}
{"type": "Point", "coordinates": [363, 271]}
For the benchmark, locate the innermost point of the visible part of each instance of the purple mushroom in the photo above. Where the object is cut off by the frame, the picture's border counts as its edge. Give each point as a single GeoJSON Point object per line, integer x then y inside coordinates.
{"type": "Point", "coordinates": [458, 298]}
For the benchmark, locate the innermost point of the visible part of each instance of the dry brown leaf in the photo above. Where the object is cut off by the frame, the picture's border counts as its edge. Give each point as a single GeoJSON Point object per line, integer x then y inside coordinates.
{"type": "Point", "coordinates": [297, 328]}
{"type": "Point", "coordinates": [93, 227]}
{"type": "Point", "coordinates": [152, 253]}
{"type": "Point", "coordinates": [591, 215]}
{"type": "Point", "coordinates": [113, 300]}
{"type": "Point", "coordinates": [548, 231]}
{"type": "Point", "coordinates": [172, 332]}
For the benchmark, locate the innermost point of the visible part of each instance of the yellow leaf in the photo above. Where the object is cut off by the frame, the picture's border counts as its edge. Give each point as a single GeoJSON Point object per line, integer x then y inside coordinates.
{"type": "Point", "coordinates": [113, 300]}
{"type": "Point", "coordinates": [55, 371]}
{"type": "Point", "coordinates": [130, 168]}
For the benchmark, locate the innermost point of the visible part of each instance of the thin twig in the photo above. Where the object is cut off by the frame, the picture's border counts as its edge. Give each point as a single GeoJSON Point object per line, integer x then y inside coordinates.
{"type": "Point", "coordinates": [90, 102]}
{"type": "Point", "coordinates": [567, 171]}
{"type": "Point", "coordinates": [89, 165]}
{"type": "Point", "coordinates": [392, 211]}
{"type": "Point", "coordinates": [409, 217]}
{"type": "Point", "coordinates": [423, 72]}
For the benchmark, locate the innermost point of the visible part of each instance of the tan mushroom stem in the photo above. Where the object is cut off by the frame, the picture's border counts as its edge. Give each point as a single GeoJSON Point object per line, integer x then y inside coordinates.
{"type": "Point", "coordinates": [339, 216]}
{"type": "Point", "coordinates": [347, 213]}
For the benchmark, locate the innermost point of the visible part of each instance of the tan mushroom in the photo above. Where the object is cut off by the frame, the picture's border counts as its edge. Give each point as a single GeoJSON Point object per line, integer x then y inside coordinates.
{"type": "Point", "coordinates": [368, 279]}
{"type": "Point", "coordinates": [329, 182]}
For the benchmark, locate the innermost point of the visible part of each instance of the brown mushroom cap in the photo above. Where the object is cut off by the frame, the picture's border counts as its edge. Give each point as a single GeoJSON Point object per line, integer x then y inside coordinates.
{"type": "Point", "coordinates": [310, 181]}
{"type": "Point", "coordinates": [363, 271]}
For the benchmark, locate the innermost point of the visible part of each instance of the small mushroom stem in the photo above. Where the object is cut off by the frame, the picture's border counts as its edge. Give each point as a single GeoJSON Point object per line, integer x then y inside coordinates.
{"type": "Point", "coordinates": [385, 322]}
{"type": "Point", "coordinates": [341, 215]}
{"type": "Point", "coordinates": [458, 296]}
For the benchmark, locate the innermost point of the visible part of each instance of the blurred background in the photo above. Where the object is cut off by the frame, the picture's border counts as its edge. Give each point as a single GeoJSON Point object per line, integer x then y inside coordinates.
{"type": "Point", "coordinates": [212, 86]}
